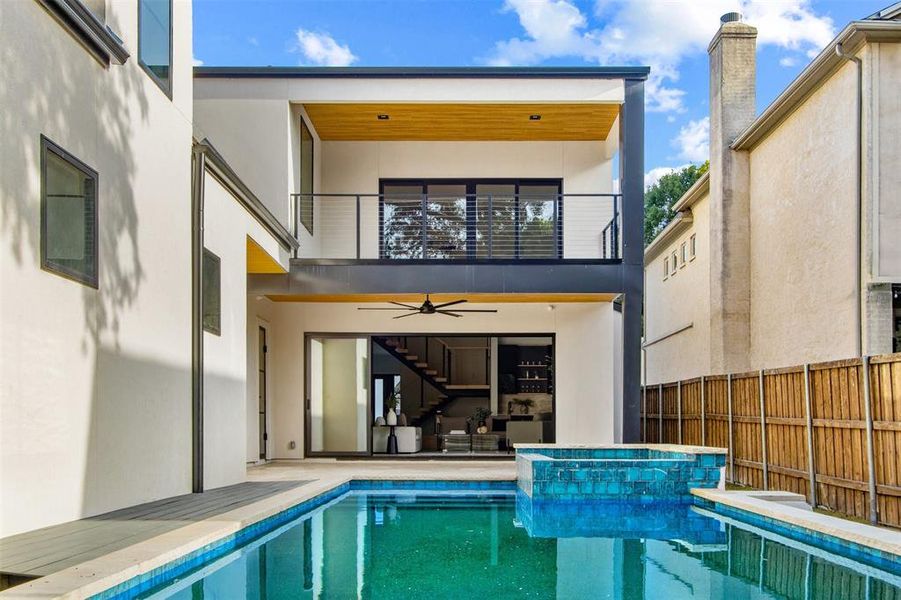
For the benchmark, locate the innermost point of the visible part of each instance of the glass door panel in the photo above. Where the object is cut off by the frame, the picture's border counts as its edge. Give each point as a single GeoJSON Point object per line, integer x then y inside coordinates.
{"type": "Point", "coordinates": [538, 221]}
{"type": "Point", "coordinates": [495, 220]}
{"type": "Point", "coordinates": [401, 215]}
{"type": "Point", "coordinates": [446, 221]}
{"type": "Point", "coordinates": [338, 395]}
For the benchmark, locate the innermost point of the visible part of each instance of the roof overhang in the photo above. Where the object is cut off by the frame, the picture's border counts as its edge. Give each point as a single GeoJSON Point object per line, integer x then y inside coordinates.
{"type": "Point", "coordinates": [852, 38]}
{"type": "Point", "coordinates": [675, 228]}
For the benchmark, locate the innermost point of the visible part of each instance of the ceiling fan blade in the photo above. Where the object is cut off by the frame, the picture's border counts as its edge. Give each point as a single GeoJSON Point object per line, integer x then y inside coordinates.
{"type": "Point", "coordinates": [474, 310]}
{"type": "Point", "coordinates": [450, 303]}
{"type": "Point", "coordinates": [404, 305]}
{"type": "Point", "coordinates": [406, 315]}
{"type": "Point", "coordinates": [448, 313]}
{"type": "Point", "coordinates": [373, 308]}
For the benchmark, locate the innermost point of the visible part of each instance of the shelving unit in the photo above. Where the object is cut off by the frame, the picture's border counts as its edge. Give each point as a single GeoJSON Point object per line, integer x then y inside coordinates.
{"type": "Point", "coordinates": [532, 378]}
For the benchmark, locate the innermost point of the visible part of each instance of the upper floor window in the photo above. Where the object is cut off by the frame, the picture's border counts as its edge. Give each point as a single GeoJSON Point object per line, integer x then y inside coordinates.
{"type": "Point", "coordinates": [305, 205]}
{"type": "Point", "coordinates": [684, 254]}
{"type": "Point", "coordinates": [86, 21]}
{"type": "Point", "coordinates": [155, 41]}
{"type": "Point", "coordinates": [692, 247]}
{"type": "Point", "coordinates": [212, 293]}
{"type": "Point", "coordinates": [666, 267]}
{"type": "Point", "coordinates": [674, 257]}
{"type": "Point", "coordinates": [68, 215]}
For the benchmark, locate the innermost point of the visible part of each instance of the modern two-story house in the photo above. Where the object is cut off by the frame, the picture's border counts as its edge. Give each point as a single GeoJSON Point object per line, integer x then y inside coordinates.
{"type": "Point", "coordinates": [463, 245]}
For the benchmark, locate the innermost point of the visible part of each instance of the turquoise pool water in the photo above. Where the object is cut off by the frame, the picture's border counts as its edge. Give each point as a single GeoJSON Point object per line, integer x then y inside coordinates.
{"type": "Point", "coordinates": [495, 544]}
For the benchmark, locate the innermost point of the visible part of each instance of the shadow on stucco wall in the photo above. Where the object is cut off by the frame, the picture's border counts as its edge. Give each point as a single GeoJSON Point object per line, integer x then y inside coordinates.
{"type": "Point", "coordinates": [52, 101]}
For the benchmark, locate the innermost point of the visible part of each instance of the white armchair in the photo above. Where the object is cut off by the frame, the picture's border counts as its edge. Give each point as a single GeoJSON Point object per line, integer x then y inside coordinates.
{"type": "Point", "coordinates": [409, 439]}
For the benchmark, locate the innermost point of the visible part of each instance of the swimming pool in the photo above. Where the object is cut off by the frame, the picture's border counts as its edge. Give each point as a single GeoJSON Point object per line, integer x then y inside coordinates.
{"type": "Point", "coordinates": [450, 541]}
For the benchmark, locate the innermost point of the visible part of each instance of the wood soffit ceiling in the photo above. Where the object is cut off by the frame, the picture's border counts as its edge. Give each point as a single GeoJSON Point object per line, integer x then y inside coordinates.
{"type": "Point", "coordinates": [462, 122]}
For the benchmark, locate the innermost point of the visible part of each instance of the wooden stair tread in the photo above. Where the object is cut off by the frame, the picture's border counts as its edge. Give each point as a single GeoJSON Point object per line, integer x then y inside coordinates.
{"type": "Point", "coordinates": [412, 357]}
{"type": "Point", "coordinates": [474, 386]}
{"type": "Point", "coordinates": [422, 365]}
{"type": "Point", "coordinates": [400, 350]}
{"type": "Point", "coordinates": [431, 372]}
{"type": "Point", "coordinates": [440, 379]}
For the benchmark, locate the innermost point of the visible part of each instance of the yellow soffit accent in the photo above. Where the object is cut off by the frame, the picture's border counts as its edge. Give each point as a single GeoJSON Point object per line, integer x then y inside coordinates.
{"type": "Point", "coordinates": [438, 298]}
{"type": "Point", "coordinates": [259, 261]}
{"type": "Point", "coordinates": [463, 122]}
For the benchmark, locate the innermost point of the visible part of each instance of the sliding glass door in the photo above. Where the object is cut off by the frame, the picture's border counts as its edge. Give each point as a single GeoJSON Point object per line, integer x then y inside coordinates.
{"type": "Point", "coordinates": [337, 404]}
{"type": "Point", "coordinates": [471, 219]}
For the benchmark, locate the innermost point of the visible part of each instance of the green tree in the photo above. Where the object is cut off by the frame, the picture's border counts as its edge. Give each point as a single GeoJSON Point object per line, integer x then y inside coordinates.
{"type": "Point", "coordinates": [660, 198]}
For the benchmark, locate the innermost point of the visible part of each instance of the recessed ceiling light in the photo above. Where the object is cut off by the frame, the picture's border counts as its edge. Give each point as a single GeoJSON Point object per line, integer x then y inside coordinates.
{"type": "Point", "coordinates": [383, 117]}
{"type": "Point", "coordinates": [534, 117]}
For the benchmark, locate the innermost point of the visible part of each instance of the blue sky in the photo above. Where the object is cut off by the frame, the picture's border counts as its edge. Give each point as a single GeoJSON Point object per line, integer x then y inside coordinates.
{"type": "Point", "coordinates": [669, 35]}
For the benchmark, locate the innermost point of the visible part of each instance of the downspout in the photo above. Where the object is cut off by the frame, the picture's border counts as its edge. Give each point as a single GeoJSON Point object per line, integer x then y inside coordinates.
{"type": "Point", "coordinates": [839, 50]}
{"type": "Point", "coordinates": [198, 164]}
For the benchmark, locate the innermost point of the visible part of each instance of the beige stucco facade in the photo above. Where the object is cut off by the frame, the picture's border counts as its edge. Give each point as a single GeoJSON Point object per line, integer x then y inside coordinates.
{"type": "Point", "coordinates": [807, 246]}
{"type": "Point", "coordinates": [95, 392]}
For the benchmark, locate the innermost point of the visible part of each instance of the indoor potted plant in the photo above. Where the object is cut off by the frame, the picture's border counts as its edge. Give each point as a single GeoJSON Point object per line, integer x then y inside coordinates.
{"type": "Point", "coordinates": [480, 416]}
{"type": "Point", "coordinates": [393, 405]}
{"type": "Point", "coordinates": [524, 404]}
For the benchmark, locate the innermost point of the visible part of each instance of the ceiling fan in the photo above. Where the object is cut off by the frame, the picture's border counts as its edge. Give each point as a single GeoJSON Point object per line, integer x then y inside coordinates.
{"type": "Point", "coordinates": [428, 308]}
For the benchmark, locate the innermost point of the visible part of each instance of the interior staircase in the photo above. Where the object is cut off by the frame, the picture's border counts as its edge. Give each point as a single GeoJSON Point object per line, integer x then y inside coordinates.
{"type": "Point", "coordinates": [431, 374]}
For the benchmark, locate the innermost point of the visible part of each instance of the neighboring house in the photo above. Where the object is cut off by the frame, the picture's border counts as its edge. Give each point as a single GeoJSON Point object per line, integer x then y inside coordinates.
{"type": "Point", "coordinates": [172, 311]}
{"type": "Point", "coordinates": [786, 252]}
{"type": "Point", "coordinates": [490, 185]}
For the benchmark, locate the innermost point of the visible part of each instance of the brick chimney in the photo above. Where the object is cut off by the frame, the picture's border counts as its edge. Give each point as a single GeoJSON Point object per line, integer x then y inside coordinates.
{"type": "Point", "coordinates": [732, 109]}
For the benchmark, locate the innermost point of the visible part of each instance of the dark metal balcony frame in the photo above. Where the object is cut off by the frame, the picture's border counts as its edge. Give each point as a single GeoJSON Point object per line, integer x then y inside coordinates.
{"type": "Point", "coordinates": [610, 234]}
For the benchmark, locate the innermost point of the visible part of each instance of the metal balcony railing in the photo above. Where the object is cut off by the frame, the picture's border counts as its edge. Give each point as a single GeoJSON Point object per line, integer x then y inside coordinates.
{"type": "Point", "coordinates": [464, 227]}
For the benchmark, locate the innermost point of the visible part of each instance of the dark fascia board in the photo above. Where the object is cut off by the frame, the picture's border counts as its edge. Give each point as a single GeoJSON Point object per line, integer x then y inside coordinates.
{"type": "Point", "coordinates": [637, 72]}
{"type": "Point", "coordinates": [218, 166]}
{"type": "Point", "coordinates": [562, 277]}
{"type": "Point", "coordinates": [95, 36]}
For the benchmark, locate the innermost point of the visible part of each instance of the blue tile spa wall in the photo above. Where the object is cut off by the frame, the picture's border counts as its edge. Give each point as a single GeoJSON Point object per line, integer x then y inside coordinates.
{"type": "Point", "coordinates": [634, 474]}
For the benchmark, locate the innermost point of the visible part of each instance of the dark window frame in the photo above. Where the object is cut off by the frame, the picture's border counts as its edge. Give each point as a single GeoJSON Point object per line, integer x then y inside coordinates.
{"type": "Point", "coordinates": [216, 328]}
{"type": "Point", "coordinates": [471, 184]}
{"type": "Point", "coordinates": [48, 145]}
{"type": "Point", "coordinates": [311, 195]}
{"type": "Point", "coordinates": [92, 33]}
{"type": "Point", "coordinates": [166, 87]}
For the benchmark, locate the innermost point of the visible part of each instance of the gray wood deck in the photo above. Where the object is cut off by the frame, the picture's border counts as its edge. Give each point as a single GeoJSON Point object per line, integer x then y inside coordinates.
{"type": "Point", "coordinates": [44, 551]}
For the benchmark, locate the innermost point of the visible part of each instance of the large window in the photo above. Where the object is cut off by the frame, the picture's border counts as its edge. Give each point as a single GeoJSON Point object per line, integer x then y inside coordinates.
{"type": "Point", "coordinates": [212, 293]}
{"type": "Point", "coordinates": [306, 177]}
{"type": "Point", "coordinates": [454, 219]}
{"type": "Point", "coordinates": [155, 41]}
{"type": "Point", "coordinates": [68, 215]}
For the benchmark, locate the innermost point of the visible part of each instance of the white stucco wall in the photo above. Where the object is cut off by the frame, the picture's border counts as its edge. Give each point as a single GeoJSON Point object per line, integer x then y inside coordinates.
{"type": "Point", "coordinates": [227, 370]}
{"type": "Point", "coordinates": [803, 232]}
{"type": "Point", "coordinates": [884, 181]}
{"type": "Point", "coordinates": [680, 300]}
{"type": "Point", "coordinates": [357, 167]}
{"type": "Point", "coordinates": [95, 385]}
{"type": "Point", "coordinates": [585, 364]}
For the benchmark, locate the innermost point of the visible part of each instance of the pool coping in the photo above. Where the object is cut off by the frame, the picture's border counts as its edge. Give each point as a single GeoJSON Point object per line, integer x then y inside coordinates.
{"type": "Point", "coordinates": [882, 539]}
{"type": "Point", "coordinates": [103, 573]}
{"type": "Point", "coordinates": [661, 447]}
{"type": "Point", "coordinates": [106, 572]}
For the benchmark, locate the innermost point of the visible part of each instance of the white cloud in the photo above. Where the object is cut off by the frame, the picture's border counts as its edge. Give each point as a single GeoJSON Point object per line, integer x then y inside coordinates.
{"type": "Point", "coordinates": [788, 61]}
{"type": "Point", "coordinates": [196, 62]}
{"type": "Point", "coordinates": [658, 33]}
{"type": "Point", "coordinates": [322, 49]}
{"type": "Point", "coordinates": [693, 140]}
{"type": "Point", "coordinates": [654, 175]}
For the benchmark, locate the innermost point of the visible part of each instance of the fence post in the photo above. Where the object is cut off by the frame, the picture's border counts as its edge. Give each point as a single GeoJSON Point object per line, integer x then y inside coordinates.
{"type": "Point", "coordinates": [659, 413]}
{"type": "Point", "coordinates": [679, 411]}
{"type": "Point", "coordinates": [731, 448]}
{"type": "Point", "coordinates": [766, 482]}
{"type": "Point", "coordinates": [703, 412]}
{"type": "Point", "coordinates": [644, 413]}
{"type": "Point", "coordinates": [871, 454]}
{"type": "Point", "coordinates": [811, 465]}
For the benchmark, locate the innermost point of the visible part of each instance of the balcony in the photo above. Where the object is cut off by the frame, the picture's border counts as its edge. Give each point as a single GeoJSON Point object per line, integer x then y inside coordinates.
{"type": "Point", "coordinates": [532, 225]}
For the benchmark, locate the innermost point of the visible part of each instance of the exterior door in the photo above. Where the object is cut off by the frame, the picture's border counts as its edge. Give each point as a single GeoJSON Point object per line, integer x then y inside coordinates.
{"type": "Point", "coordinates": [263, 399]}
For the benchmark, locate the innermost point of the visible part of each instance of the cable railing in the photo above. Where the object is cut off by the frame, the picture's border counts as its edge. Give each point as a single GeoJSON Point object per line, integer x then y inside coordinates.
{"type": "Point", "coordinates": [463, 227]}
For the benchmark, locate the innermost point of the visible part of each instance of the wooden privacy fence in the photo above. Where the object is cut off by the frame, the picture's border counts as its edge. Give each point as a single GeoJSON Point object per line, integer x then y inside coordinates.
{"type": "Point", "coordinates": [830, 431]}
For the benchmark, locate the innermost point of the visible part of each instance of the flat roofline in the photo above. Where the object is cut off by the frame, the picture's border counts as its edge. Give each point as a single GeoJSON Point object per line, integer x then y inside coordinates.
{"type": "Point", "coordinates": [621, 72]}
